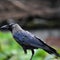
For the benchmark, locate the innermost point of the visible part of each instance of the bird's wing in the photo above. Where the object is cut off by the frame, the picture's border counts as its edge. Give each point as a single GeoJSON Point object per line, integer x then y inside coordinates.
{"type": "Point", "coordinates": [29, 39]}
{"type": "Point", "coordinates": [36, 42]}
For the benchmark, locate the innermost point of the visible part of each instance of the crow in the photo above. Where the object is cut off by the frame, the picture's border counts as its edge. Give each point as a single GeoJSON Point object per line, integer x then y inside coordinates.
{"type": "Point", "coordinates": [27, 40]}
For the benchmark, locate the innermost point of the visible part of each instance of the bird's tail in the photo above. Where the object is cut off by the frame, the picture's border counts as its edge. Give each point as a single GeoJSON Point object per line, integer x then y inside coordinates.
{"type": "Point", "coordinates": [49, 49]}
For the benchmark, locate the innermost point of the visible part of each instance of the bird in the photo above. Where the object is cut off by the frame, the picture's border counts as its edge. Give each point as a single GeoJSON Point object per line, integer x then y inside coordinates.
{"type": "Point", "coordinates": [27, 40]}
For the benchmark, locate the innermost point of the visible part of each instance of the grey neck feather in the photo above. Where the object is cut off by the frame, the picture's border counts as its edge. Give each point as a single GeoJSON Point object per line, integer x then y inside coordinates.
{"type": "Point", "coordinates": [17, 28]}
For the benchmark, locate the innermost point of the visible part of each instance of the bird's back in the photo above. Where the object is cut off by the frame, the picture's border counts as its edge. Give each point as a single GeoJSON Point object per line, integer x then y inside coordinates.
{"type": "Point", "coordinates": [26, 37]}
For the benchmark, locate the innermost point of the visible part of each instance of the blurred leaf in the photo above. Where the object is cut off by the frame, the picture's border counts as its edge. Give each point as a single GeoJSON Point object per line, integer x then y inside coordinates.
{"type": "Point", "coordinates": [40, 53]}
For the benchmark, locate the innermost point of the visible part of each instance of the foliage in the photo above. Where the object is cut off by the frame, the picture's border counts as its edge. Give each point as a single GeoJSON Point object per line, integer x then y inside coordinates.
{"type": "Point", "coordinates": [10, 50]}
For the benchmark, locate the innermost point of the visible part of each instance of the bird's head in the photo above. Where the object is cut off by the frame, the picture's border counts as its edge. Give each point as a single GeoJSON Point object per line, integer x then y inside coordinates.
{"type": "Point", "coordinates": [8, 27]}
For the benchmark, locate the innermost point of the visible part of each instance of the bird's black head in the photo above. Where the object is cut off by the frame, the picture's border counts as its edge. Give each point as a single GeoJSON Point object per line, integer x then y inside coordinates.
{"type": "Point", "coordinates": [7, 27]}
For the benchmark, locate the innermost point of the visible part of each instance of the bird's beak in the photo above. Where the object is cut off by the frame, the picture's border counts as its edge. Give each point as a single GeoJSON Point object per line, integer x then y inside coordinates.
{"type": "Point", "coordinates": [5, 27]}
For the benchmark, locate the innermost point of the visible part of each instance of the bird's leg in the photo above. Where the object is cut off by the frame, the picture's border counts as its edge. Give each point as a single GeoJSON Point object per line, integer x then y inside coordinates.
{"type": "Point", "coordinates": [32, 54]}
{"type": "Point", "coordinates": [25, 51]}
